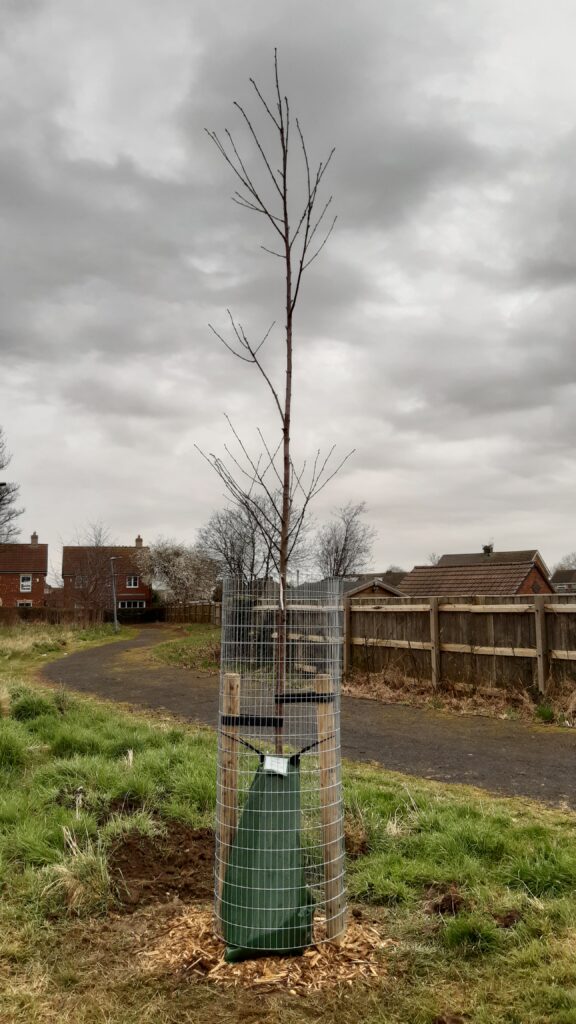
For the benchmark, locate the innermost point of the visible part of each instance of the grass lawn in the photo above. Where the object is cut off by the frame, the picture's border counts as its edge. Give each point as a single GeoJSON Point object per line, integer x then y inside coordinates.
{"type": "Point", "coordinates": [478, 894]}
{"type": "Point", "coordinates": [198, 649]}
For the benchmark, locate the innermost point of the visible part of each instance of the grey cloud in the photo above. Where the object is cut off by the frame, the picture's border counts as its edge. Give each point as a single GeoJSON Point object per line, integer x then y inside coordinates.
{"type": "Point", "coordinates": [410, 345]}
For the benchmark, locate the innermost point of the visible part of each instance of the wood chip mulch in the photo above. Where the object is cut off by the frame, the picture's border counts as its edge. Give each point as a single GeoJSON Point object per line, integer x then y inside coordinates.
{"type": "Point", "coordinates": [191, 947]}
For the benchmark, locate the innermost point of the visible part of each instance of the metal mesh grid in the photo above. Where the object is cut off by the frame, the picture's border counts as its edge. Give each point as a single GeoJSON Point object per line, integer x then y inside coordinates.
{"type": "Point", "coordinates": [280, 698]}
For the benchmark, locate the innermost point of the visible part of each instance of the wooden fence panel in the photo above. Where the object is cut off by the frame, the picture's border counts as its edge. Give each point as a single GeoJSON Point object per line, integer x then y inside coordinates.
{"type": "Point", "coordinates": [190, 613]}
{"type": "Point", "coordinates": [509, 642]}
{"type": "Point", "coordinates": [51, 616]}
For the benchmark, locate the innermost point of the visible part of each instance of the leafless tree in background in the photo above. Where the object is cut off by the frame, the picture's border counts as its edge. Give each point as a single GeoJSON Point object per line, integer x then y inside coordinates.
{"type": "Point", "coordinates": [230, 538]}
{"type": "Point", "coordinates": [244, 540]}
{"type": "Point", "coordinates": [186, 573]}
{"type": "Point", "coordinates": [344, 546]}
{"type": "Point", "coordinates": [433, 558]}
{"type": "Point", "coordinates": [92, 567]}
{"type": "Point", "coordinates": [566, 562]}
{"type": "Point", "coordinates": [8, 498]}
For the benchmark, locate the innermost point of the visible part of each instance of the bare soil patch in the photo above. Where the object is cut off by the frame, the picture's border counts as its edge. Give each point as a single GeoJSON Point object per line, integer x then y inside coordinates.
{"type": "Point", "coordinates": [178, 864]}
{"type": "Point", "coordinates": [445, 900]}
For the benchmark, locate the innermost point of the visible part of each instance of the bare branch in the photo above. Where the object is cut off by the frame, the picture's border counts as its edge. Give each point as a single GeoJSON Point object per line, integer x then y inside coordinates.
{"type": "Point", "coordinates": [257, 140]}
{"type": "Point", "coordinates": [238, 355]}
{"type": "Point", "coordinates": [320, 247]}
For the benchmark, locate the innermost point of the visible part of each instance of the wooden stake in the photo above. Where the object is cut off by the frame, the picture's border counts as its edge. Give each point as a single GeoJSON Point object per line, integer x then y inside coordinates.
{"type": "Point", "coordinates": [332, 831]}
{"type": "Point", "coordinates": [228, 778]}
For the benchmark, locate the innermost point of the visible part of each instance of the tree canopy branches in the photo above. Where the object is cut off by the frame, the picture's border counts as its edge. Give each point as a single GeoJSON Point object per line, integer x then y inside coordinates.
{"type": "Point", "coordinates": [9, 512]}
{"type": "Point", "coordinates": [272, 493]}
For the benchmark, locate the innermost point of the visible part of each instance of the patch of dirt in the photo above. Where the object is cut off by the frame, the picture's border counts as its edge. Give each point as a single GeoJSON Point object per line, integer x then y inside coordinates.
{"type": "Point", "coordinates": [179, 864]}
{"type": "Point", "coordinates": [508, 919]}
{"type": "Point", "coordinates": [449, 1018]}
{"type": "Point", "coordinates": [124, 805]}
{"type": "Point", "coordinates": [445, 901]}
{"type": "Point", "coordinates": [355, 839]}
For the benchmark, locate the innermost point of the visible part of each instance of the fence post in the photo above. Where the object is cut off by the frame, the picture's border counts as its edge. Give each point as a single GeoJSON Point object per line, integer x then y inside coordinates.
{"type": "Point", "coordinates": [542, 657]}
{"type": "Point", "coordinates": [435, 653]}
{"type": "Point", "coordinates": [347, 637]}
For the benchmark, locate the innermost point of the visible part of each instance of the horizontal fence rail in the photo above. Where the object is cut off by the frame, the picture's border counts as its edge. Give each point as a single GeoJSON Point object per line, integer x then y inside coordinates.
{"type": "Point", "coordinates": [509, 642]}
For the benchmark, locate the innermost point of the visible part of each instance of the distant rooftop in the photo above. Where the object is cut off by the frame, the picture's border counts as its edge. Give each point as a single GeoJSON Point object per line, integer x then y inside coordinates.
{"type": "Point", "coordinates": [24, 558]}
{"type": "Point", "coordinates": [488, 556]}
{"type": "Point", "coordinates": [485, 578]}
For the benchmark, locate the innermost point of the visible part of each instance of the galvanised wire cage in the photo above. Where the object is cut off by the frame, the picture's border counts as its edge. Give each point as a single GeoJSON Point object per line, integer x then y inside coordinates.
{"type": "Point", "coordinates": [280, 842]}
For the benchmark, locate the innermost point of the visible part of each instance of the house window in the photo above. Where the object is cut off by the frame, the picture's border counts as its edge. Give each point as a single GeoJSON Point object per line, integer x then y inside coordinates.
{"type": "Point", "coordinates": [80, 582]}
{"type": "Point", "coordinates": [25, 584]}
{"type": "Point", "coordinates": [131, 604]}
{"type": "Point", "coordinates": [24, 604]}
{"type": "Point", "coordinates": [132, 581]}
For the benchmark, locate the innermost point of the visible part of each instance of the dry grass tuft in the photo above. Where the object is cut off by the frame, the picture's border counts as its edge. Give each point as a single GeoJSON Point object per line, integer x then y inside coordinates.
{"type": "Point", "coordinates": [81, 884]}
{"type": "Point", "coordinates": [4, 702]}
{"type": "Point", "coordinates": [391, 687]}
{"type": "Point", "coordinates": [191, 947]}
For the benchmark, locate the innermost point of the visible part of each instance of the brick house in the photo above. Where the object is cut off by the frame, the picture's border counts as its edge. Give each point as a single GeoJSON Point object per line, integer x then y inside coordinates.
{"type": "Point", "coordinates": [23, 570]}
{"type": "Point", "coordinates": [90, 575]}
{"type": "Point", "coordinates": [564, 581]}
{"type": "Point", "coordinates": [488, 573]}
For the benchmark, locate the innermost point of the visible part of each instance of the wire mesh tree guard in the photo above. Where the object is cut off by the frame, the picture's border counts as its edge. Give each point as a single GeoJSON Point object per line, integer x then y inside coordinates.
{"type": "Point", "coordinates": [279, 879]}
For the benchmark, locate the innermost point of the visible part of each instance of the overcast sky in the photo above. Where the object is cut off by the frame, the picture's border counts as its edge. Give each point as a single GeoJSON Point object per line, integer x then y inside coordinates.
{"type": "Point", "coordinates": [436, 332]}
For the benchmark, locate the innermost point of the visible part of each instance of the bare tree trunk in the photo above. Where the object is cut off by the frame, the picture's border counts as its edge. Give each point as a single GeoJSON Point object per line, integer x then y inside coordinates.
{"type": "Point", "coordinates": [285, 521]}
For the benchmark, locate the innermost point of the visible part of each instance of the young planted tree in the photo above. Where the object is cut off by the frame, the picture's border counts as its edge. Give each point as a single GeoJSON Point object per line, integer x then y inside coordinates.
{"type": "Point", "coordinates": [297, 217]}
{"type": "Point", "coordinates": [8, 498]}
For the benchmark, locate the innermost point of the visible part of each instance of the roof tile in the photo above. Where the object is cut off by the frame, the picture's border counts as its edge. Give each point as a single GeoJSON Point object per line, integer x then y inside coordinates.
{"type": "Point", "coordinates": [436, 580]}
{"type": "Point", "coordinates": [24, 558]}
{"type": "Point", "coordinates": [79, 560]}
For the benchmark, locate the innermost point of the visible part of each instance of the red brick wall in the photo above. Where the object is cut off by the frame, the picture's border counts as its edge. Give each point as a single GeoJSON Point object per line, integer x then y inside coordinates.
{"type": "Point", "coordinates": [535, 579]}
{"type": "Point", "coordinates": [70, 595]}
{"type": "Point", "coordinates": [10, 592]}
{"type": "Point", "coordinates": [140, 593]}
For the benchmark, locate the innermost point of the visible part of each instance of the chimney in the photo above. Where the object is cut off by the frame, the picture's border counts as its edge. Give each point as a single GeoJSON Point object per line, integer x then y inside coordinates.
{"type": "Point", "coordinates": [34, 538]}
{"type": "Point", "coordinates": [488, 549]}
{"type": "Point", "coordinates": [138, 542]}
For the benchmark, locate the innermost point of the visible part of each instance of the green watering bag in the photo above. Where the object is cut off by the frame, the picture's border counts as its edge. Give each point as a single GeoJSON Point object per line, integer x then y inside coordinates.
{"type": "Point", "coordinates": [266, 905]}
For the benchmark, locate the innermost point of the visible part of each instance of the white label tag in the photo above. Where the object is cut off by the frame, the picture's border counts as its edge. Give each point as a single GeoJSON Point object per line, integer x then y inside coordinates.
{"type": "Point", "coordinates": [277, 765]}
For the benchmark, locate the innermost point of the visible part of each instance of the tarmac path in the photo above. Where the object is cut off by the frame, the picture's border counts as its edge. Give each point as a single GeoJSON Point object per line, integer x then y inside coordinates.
{"type": "Point", "coordinates": [509, 758]}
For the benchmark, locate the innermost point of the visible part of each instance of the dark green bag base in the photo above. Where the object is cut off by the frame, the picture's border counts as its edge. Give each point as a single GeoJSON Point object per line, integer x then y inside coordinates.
{"type": "Point", "coordinates": [234, 954]}
{"type": "Point", "coordinates": [267, 908]}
